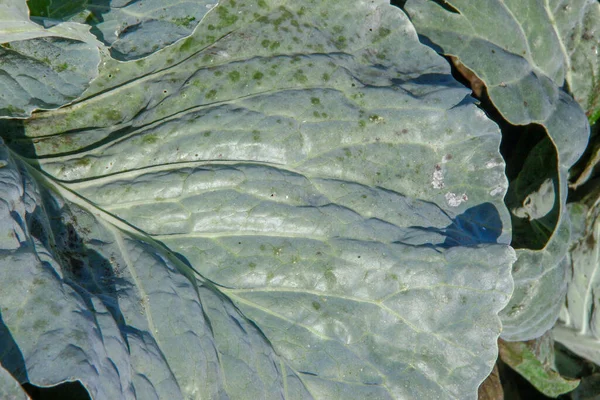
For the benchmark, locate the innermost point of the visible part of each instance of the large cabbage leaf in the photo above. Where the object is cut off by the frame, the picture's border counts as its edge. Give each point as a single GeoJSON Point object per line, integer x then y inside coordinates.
{"type": "Point", "coordinates": [524, 52]}
{"type": "Point", "coordinates": [297, 201]}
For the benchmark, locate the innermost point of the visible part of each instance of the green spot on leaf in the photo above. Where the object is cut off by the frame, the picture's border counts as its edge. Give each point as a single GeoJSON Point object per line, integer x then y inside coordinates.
{"type": "Point", "coordinates": [211, 94]}
{"type": "Point", "coordinates": [226, 18]}
{"type": "Point", "coordinates": [340, 42]}
{"type": "Point", "coordinates": [300, 76]}
{"type": "Point", "coordinates": [184, 21]}
{"type": "Point", "coordinates": [149, 139]}
{"type": "Point", "coordinates": [383, 32]}
{"type": "Point", "coordinates": [40, 324]}
{"type": "Point", "coordinates": [330, 278]}
{"type": "Point", "coordinates": [113, 115]}
{"type": "Point", "coordinates": [187, 44]}
{"type": "Point", "coordinates": [234, 76]}
{"type": "Point", "coordinates": [83, 162]}
{"type": "Point", "coordinates": [62, 67]}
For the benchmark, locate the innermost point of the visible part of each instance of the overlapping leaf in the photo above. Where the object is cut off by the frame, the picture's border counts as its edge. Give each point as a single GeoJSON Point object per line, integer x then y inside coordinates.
{"type": "Point", "coordinates": [129, 29]}
{"type": "Point", "coordinates": [520, 53]}
{"type": "Point", "coordinates": [98, 302]}
{"type": "Point", "coordinates": [578, 26]}
{"type": "Point", "coordinates": [579, 324]}
{"type": "Point", "coordinates": [42, 68]}
{"type": "Point", "coordinates": [534, 360]}
{"type": "Point", "coordinates": [337, 195]}
{"type": "Point", "coordinates": [10, 388]}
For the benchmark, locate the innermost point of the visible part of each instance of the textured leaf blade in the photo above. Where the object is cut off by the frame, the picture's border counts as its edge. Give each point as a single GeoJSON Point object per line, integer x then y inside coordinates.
{"type": "Point", "coordinates": [131, 29]}
{"type": "Point", "coordinates": [10, 388]}
{"type": "Point", "coordinates": [578, 26]}
{"type": "Point", "coordinates": [523, 63]}
{"type": "Point", "coordinates": [540, 270]}
{"type": "Point", "coordinates": [121, 313]}
{"type": "Point", "coordinates": [578, 328]}
{"type": "Point", "coordinates": [42, 68]}
{"type": "Point", "coordinates": [352, 224]}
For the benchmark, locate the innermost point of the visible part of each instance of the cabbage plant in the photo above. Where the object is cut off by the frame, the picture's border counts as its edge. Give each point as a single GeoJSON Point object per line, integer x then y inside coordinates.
{"type": "Point", "coordinates": [293, 199]}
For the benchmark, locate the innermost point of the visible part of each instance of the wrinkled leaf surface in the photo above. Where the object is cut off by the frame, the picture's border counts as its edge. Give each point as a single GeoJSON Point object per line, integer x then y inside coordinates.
{"type": "Point", "coordinates": [315, 214]}
{"type": "Point", "coordinates": [519, 52]}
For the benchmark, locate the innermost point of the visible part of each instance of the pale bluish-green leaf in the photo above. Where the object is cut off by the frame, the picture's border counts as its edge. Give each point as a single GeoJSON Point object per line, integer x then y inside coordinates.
{"type": "Point", "coordinates": [98, 302]}
{"type": "Point", "coordinates": [579, 325]}
{"type": "Point", "coordinates": [9, 387]}
{"type": "Point", "coordinates": [331, 180]}
{"type": "Point", "coordinates": [539, 273]}
{"type": "Point", "coordinates": [516, 49]}
{"type": "Point", "coordinates": [130, 29]}
{"type": "Point", "coordinates": [578, 25]}
{"type": "Point", "coordinates": [134, 29]}
{"type": "Point", "coordinates": [534, 307]}
{"type": "Point", "coordinates": [15, 25]}
{"type": "Point", "coordinates": [42, 68]}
